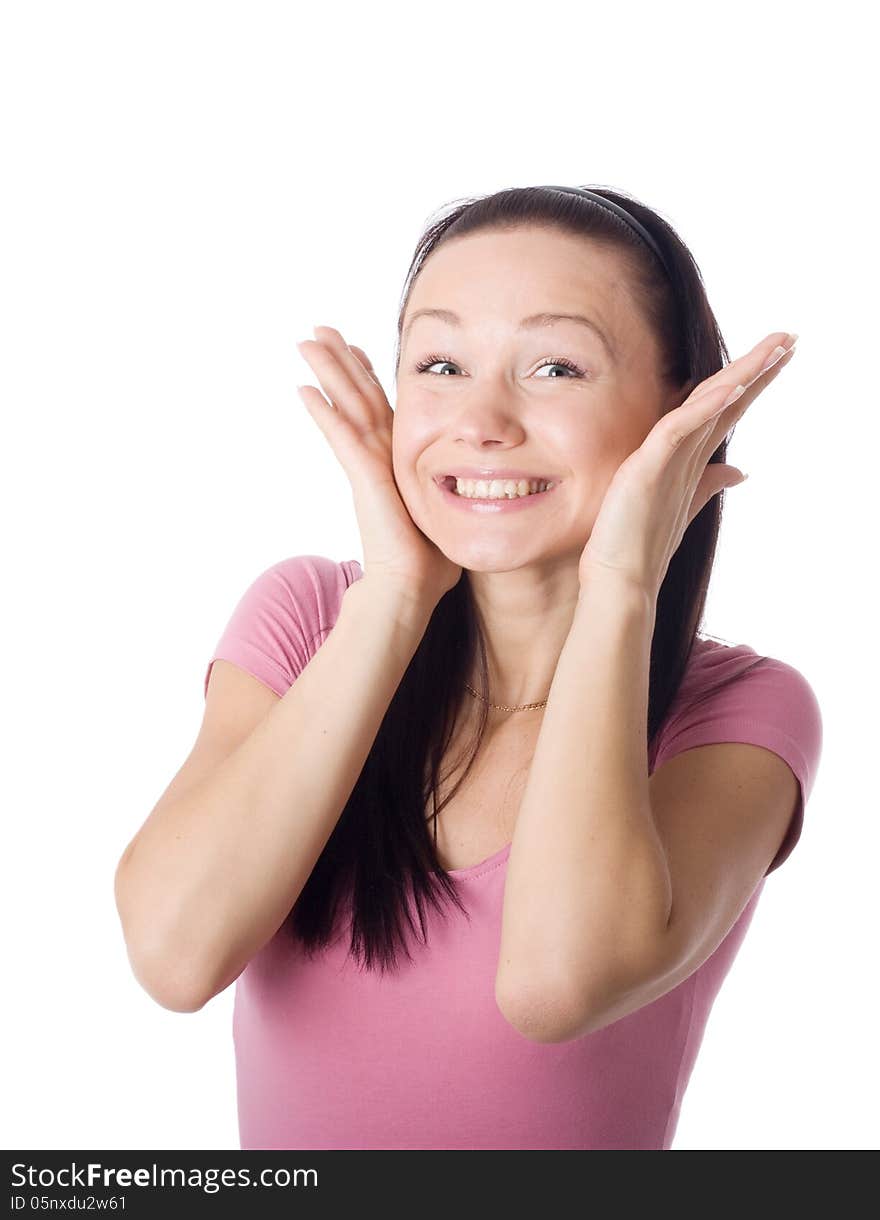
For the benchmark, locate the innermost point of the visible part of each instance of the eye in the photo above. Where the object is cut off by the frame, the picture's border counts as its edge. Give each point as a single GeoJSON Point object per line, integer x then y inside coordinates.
{"type": "Point", "coordinates": [561, 362]}
{"type": "Point", "coordinates": [425, 364]}
{"type": "Point", "coordinates": [554, 362]}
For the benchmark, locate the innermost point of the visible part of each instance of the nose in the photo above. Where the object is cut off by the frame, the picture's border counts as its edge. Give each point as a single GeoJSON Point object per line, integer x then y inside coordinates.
{"type": "Point", "coordinates": [488, 418]}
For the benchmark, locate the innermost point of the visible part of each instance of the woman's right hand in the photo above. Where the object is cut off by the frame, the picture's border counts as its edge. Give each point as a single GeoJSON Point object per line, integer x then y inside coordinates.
{"type": "Point", "coordinates": [357, 425]}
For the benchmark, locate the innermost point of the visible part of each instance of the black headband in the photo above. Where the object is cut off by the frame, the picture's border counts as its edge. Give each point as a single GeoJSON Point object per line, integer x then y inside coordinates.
{"type": "Point", "coordinates": [617, 210]}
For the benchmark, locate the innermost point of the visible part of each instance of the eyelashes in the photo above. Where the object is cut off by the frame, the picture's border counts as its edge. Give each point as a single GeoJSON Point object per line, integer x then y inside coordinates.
{"type": "Point", "coordinates": [562, 361]}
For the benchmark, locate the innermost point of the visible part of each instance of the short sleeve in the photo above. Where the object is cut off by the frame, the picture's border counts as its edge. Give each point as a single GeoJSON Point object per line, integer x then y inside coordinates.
{"type": "Point", "coordinates": [771, 704]}
{"type": "Point", "coordinates": [283, 617]}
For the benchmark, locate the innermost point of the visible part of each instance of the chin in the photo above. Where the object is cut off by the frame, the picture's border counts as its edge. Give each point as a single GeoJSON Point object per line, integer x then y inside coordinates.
{"type": "Point", "coordinates": [492, 558]}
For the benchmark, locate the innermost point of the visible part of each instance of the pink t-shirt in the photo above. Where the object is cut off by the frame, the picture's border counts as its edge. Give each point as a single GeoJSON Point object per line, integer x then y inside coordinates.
{"type": "Point", "coordinates": [329, 1056]}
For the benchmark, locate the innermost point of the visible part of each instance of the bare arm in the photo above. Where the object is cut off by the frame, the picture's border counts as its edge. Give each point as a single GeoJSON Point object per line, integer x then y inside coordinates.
{"type": "Point", "coordinates": [210, 878]}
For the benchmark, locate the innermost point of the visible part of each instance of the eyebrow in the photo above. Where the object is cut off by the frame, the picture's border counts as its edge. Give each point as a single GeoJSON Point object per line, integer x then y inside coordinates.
{"type": "Point", "coordinates": [532, 322]}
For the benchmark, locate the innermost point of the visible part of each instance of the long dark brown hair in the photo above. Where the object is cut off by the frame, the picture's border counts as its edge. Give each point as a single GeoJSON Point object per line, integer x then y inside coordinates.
{"type": "Point", "coordinates": [380, 862]}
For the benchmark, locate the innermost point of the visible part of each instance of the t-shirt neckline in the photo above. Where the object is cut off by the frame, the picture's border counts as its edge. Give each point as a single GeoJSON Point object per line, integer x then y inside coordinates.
{"type": "Point", "coordinates": [491, 862]}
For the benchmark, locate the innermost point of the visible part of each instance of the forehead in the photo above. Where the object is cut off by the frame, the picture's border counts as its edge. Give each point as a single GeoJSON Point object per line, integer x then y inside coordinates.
{"type": "Point", "coordinates": [508, 274]}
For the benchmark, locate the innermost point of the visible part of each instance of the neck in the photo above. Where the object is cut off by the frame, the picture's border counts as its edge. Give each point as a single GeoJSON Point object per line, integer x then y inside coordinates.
{"type": "Point", "coordinates": [524, 630]}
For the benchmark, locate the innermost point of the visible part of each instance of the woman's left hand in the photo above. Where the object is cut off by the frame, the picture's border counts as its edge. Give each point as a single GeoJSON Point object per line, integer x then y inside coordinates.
{"type": "Point", "coordinates": [659, 489]}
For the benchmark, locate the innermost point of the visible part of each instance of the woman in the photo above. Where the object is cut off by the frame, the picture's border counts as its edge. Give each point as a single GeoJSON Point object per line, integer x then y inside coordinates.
{"type": "Point", "coordinates": [480, 826]}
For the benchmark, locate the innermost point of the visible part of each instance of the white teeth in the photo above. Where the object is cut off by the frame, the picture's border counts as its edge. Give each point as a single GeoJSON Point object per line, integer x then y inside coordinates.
{"type": "Point", "coordinates": [499, 489]}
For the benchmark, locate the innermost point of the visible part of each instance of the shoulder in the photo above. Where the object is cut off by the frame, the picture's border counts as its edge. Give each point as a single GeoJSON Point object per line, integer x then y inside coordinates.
{"type": "Point", "coordinates": [283, 616]}
{"type": "Point", "coordinates": [307, 581]}
{"type": "Point", "coordinates": [734, 683]}
{"type": "Point", "coordinates": [732, 693]}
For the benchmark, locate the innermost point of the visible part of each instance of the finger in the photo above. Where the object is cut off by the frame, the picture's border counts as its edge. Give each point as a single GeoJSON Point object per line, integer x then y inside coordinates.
{"type": "Point", "coordinates": [338, 431]}
{"type": "Point", "coordinates": [364, 359]}
{"type": "Point", "coordinates": [746, 369]}
{"type": "Point", "coordinates": [359, 402]}
{"type": "Point", "coordinates": [723, 419]}
{"type": "Point", "coordinates": [730, 414]}
{"type": "Point", "coordinates": [698, 430]}
{"type": "Point", "coordinates": [717, 477]}
{"type": "Point", "coordinates": [705, 420]}
{"type": "Point", "coordinates": [353, 360]}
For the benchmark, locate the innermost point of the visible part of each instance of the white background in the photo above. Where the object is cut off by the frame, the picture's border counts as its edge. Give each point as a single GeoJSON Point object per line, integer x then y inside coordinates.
{"type": "Point", "coordinates": [188, 189]}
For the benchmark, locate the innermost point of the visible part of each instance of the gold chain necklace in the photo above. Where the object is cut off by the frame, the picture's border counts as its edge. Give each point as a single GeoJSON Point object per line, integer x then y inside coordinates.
{"type": "Point", "coordinates": [500, 707]}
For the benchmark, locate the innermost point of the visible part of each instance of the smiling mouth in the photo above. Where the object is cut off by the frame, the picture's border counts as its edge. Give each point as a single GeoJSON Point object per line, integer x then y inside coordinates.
{"type": "Point", "coordinates": [495, 489]}
{"type": "Point", "coordinates": [496, 507]}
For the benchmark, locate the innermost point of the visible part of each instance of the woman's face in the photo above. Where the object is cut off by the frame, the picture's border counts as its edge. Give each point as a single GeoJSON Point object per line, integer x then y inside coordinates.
{"type": "Point", "coordinates": [496, 398]}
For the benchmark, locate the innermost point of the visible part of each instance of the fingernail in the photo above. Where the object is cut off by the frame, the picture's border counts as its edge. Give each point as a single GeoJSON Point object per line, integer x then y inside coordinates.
{"type": "Point", "coordinates": [734, 395]}
{"type": "Point", "coordinates": [776, 354]}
